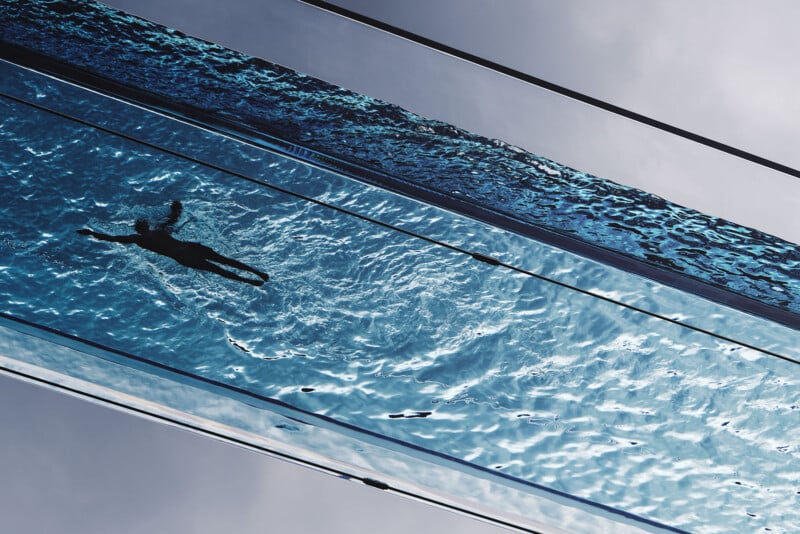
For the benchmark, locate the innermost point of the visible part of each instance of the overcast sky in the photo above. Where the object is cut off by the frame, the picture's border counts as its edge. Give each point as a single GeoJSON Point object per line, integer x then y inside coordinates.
{"type": "Point", "coordinates": [724, 69]}
{"type": "Point", "coordinates": [72, 467]}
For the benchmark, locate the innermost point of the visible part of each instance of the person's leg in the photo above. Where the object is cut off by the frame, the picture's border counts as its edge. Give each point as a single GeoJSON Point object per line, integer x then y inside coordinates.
{"type": "Point", "coordinates": [219, 258]}
{"type": "Point", "coordinates": [206, 266]}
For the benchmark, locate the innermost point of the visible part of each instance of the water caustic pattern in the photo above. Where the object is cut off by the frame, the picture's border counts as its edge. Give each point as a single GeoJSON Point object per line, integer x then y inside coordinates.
{"type": "Point", "coordinates": [430, 158]}
{"type": "Point", "coordinates": [394, 334]}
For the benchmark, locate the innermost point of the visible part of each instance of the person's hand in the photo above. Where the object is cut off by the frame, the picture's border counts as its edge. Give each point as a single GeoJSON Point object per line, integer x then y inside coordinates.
{"type": "Point", "coordinates": [84, 231]}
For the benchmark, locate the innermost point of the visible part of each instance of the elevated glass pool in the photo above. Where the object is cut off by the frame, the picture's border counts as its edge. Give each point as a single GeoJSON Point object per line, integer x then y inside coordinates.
{"type": "Point", "coordinates": [397, 340]}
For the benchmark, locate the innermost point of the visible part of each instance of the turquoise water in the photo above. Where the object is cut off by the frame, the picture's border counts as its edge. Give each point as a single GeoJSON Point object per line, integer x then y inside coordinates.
{"type": "Point", "coordinates": [431, 160]}
{"type": "Point", "coordinates": [392, 333]}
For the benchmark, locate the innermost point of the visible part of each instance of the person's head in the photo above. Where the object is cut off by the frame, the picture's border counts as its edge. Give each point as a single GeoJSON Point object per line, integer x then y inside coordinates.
{"type": "Point", "coordinates": [141, 226]}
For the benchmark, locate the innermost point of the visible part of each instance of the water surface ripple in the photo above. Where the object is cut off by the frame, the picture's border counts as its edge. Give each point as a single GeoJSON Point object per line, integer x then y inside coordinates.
{"type": "Point", "coordinates": [436, 160]}
{"type": "Point", "coordinates": [396, 335]}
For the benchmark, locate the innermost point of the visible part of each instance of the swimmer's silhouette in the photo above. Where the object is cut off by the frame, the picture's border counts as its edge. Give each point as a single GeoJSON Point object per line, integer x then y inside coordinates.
{"type": "Point", "coordinates": [191, 254]}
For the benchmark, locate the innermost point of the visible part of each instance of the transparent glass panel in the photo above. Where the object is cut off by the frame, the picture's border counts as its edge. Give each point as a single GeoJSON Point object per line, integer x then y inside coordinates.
{"type": "Point", "coordinates": [379, 324]}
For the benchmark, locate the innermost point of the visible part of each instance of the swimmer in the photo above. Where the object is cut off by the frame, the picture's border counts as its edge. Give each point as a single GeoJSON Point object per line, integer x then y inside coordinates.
{"type": "Point", "coordinates": [195, 255]}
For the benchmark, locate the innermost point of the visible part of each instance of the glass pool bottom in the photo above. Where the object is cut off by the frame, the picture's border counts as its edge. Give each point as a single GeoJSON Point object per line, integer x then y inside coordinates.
{"type": "Point", "coordinates": [386, 330]}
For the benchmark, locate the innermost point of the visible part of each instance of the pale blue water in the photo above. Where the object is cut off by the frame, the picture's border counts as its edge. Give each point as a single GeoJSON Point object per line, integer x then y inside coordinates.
{"type": "Point", "coordinates": [390, 146]}
{"type": "Point", "coordinates": [395, 334]}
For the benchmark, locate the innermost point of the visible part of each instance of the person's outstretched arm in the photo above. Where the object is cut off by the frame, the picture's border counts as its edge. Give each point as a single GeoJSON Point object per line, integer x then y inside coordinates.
{"type": "Point", "coordinates": [106, 237]}
{"type": "Point", "coordinates": [175, 210]}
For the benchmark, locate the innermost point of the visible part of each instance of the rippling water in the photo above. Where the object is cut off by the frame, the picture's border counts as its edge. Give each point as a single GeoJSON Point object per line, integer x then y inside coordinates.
{"type": "Point", "coordinates": [394, 334]}
{"type": "Point", "coordinates": [434, 159]}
